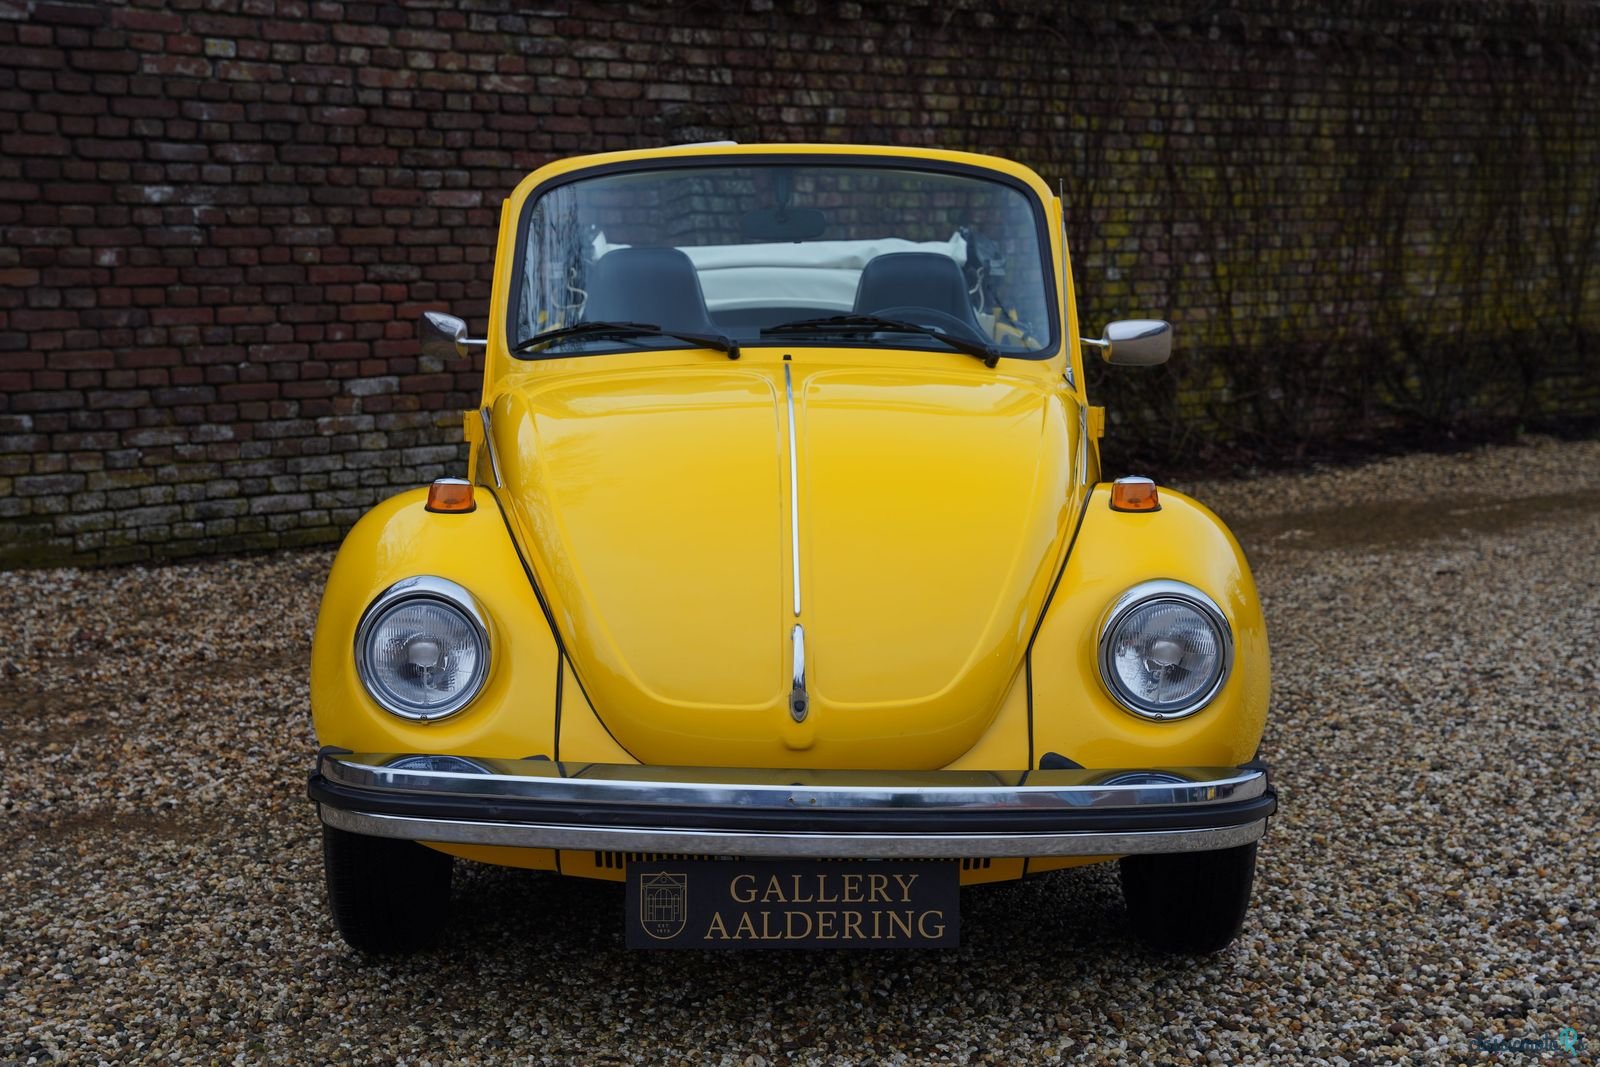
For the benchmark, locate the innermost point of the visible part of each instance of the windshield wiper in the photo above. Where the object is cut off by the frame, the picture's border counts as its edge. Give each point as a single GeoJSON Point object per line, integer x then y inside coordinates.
{"type": "Point", "coordinates": [874, 324]}
{"type": "Point", "coordinates": [625, 330]}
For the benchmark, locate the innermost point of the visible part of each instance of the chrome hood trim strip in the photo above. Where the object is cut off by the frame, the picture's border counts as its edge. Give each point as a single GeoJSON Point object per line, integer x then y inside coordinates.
{"type": "Point", "coordinates": [799, 701]}
{"type": "Point", "coordinates": [794, 490]}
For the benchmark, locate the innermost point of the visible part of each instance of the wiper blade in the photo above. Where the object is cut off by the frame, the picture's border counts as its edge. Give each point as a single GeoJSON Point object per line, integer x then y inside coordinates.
{"type": "Point", "coordinates": [875, 324]}
{"type": "Point", "coordinates": [624, 330]}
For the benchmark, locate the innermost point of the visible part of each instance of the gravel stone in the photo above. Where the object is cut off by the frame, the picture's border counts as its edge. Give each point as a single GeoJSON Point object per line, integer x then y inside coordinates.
{"type": "Point", "coordinates": [1429, 882]}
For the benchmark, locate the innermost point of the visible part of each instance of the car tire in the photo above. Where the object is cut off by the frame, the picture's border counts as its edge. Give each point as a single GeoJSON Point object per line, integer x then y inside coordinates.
{"type": "Point", "coordinates": [1189, 902]}
{"type": "Point", "coordinates": [386, 895]}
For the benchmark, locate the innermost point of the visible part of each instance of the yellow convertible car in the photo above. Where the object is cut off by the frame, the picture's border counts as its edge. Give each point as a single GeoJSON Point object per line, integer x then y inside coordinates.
{"type": "Point", "coordinates": [784, 583]}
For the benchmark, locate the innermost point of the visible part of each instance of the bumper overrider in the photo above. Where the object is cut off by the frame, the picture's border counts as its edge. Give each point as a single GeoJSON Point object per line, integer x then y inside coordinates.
{"type": "Point", "coordinates": [723, 811]}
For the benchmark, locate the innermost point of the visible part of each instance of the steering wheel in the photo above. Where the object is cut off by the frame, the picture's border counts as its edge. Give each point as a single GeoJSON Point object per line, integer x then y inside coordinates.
{"type": "Point", "coordinates": [926, 316]}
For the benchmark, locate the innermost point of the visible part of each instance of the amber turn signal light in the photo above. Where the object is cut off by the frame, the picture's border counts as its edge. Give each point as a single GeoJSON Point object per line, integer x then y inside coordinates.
{"type": "Point", "coordinates": [1134, 494]}
{"type": "Point", "coordinates": [451, 495]}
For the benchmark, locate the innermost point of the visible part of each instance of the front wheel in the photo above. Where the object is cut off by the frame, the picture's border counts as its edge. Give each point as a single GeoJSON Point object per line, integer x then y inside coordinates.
{"type": "Point", "coordinates": [1189, 902]}
{"type": "Point", "coordinates": [386, 895]}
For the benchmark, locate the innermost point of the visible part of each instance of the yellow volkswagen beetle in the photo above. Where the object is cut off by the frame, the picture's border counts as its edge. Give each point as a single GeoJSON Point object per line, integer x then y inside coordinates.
{"type": "Point", "coordinates": [784, 584]}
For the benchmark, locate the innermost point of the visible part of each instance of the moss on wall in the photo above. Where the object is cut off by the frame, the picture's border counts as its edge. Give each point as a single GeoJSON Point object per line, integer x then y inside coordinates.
{"type": "Point", "coordinates": [221, 220]}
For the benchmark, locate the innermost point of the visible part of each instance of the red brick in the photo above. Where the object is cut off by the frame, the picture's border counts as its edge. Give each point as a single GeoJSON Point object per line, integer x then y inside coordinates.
{"type": "Point", "coordinates": [176, 66]}
{"type": "Point", "coordinates": [13, 56]}
{"type": "Point", "coordinates": [152, 21]}
{"type": "Point", "coordinates": [34, 144]}
{"type": "Point", "coordinates": [31, 320]}
{"type": "Point", "coordinates": [248, 391]}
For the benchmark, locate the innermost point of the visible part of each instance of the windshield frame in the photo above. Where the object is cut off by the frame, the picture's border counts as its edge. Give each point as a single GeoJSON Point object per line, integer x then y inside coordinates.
{"type": "Point", "coordinates": [1051, 348]}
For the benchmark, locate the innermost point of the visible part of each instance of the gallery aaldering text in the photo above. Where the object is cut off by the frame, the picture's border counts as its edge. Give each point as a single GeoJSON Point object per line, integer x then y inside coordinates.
{"type": "Point", "coordinates": [822, 923]}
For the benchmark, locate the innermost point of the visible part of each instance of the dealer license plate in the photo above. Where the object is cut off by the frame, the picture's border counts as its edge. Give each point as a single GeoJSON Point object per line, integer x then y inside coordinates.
{"type": "Point", "coordinates": [743, 904]}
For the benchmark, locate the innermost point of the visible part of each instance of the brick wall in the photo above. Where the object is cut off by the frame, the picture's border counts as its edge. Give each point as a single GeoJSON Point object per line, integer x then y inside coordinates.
{"type": "Point", "coordinates": [221, 219]}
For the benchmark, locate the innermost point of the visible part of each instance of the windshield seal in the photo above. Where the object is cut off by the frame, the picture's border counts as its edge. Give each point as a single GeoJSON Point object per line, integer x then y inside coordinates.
{"type": "Point", "coordinates": [1047, 265]}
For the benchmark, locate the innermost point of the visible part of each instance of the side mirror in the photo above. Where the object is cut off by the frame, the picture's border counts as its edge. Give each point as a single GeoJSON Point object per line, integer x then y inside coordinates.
{"type": "Point", "coordinates": [445, 336]}
{"type": "Point", "coordinates": [1135, 342]}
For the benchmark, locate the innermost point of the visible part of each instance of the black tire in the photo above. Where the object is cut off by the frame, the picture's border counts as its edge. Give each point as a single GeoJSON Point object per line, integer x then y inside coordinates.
{"type": "Point", "coordinates": [1189, 902]}
{"type": "Point", "coordinates": [386, 895]}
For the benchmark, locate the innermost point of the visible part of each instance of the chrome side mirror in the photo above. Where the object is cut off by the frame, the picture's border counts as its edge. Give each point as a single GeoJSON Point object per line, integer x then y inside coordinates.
{"type": "Point", "coordinates": [445, 336]}
{"type": "Point", "coordinates": [1135, 342]}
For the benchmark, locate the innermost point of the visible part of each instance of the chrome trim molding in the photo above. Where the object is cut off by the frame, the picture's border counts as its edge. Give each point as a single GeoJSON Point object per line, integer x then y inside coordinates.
{"type": "Point", "coordinates": [488, 442]}
{"type": "Point", "coordinates": [795, 812]}
{"type": "Point", "coordinates": [1066, 280]}
{"type": "Point", "coordinates": [799, 702]}
{"type": "Point", "coordinates": [794, 490]}
{"type": "Point", "coordinates": [1158, 590]}
{"type": "Point", "coordinates": [1083, 445]}
{"type": "Point", "coordinates": [804, 845]}
{"type": "Point", "coordinates": [810, 790]}
{"type": "Point", "coordinates": [440, 590]}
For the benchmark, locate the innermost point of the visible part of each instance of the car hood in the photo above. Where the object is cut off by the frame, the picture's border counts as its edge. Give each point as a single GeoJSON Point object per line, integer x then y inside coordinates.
{"type": "Point", "coordinates": [655, 509]}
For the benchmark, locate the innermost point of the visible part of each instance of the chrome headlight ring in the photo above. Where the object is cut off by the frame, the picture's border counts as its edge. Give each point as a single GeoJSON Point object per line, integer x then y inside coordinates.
{"type": "Point", "coordinates": [1165, 650]}
{"type": "Point", "coordinates": [422, 648]}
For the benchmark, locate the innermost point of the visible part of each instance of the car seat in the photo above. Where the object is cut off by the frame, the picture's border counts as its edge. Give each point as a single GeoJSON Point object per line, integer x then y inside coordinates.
{"type": "Point", "coordinates": [915, 279]}
{"type": "Point", "coordinates": [653, 285]}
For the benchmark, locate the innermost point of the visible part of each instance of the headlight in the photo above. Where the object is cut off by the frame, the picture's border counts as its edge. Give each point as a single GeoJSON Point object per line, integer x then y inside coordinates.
{"type": "Point", "coordinates": [1165, 650]}
{"type": "Point", "coordinates": [422, 649]}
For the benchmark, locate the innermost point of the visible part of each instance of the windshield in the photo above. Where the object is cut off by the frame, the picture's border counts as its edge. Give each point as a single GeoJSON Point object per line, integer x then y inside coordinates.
{"type": "Point", "coordinates": [756, 253]}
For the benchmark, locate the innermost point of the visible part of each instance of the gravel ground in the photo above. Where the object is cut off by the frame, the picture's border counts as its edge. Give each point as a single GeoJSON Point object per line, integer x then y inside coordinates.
{"type": "Point", "coordinates": [1429, 882]}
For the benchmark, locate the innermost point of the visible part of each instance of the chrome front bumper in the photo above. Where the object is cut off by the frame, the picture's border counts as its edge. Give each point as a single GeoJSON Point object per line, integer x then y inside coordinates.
{"type": "Point", "coordinates": [723, 811]}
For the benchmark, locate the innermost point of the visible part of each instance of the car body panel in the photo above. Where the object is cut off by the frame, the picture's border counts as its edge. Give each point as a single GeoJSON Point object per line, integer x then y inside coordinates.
{"type": "Point", "coordinates": [634, 550]}
{"type": "Point", "coordinates": [399, 539]}
{"type": "Point", "coordinates": [1114, 552]}
{"type": "Point", "coordinates": [654, 508]}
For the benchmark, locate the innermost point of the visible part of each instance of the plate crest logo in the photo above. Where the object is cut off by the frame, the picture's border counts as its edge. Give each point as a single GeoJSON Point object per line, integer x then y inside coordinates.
{"type": "Point", "coordinates": [663, 904]}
